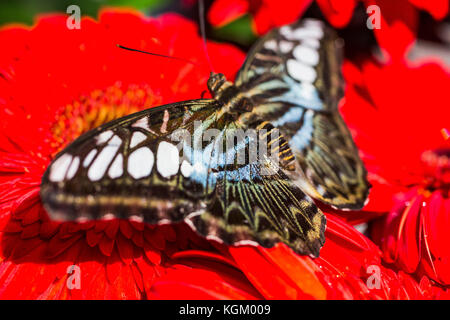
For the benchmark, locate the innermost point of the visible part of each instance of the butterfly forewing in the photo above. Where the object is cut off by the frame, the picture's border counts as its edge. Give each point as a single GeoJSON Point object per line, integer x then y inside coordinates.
{"type": "Point", "coordinates": [294, 79]}
{"type": "Point", "coordinates": [126, 168]}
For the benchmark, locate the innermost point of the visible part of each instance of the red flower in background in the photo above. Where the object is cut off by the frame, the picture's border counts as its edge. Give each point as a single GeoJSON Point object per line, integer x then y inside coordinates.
{"type": "Point", "coordinates": [51, 92]}
{"type": "Point", "coordinates": [398, 19]}
{"type": "Point", "coordinates": [266, 14]}
{"type": "Point", "coordinates": [406, 150]}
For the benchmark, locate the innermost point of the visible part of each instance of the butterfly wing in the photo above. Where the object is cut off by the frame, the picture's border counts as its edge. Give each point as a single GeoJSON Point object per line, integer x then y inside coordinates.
{"type": "Point", "coordinates": [255, 201]}
{"type": "Point", "coordinates": [293, 77]}
{"type": "Point", "coordinates": [170, 164]}
{"type": "Point", "coordinates": [126, 168]}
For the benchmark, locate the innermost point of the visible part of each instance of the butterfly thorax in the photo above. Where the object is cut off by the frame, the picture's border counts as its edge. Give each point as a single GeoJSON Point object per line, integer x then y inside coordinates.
{"type": "Point", "coordinates": [232, 100]}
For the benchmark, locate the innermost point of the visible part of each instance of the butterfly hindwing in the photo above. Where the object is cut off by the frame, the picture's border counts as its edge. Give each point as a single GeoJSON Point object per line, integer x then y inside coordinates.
{"type": "Point", "coordinates": [262, 209]}
{"type": "Point", "coordinates": [293, 77]}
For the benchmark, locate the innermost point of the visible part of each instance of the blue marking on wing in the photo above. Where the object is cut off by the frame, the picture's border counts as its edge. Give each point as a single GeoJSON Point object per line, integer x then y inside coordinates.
{"type": "Point", "coordinates": [213, 157]}
{"type": "Point", "coordinates": [303, 94]}
{"type": "Point", "coordinates": [303, 136]}
{"type": "Point", "coordinates": [293, 115]}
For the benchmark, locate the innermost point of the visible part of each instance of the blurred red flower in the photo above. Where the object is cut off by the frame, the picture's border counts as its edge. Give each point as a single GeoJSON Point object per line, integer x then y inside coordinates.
{"type": "Point", "coordinates": [51, 92]}
{"type": "Point", "coordinates": [266, 14]}
{"type": "Point", "coordinates": [406, 148]}
{"type": "Point", "coordinates": [339, 12]}
{"type": "Point", "coordinates": [398, 19]}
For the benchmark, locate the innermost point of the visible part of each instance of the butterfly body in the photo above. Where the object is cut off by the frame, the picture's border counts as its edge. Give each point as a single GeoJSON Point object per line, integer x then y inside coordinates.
{"type": "Point", "coordinates": [238, 168]}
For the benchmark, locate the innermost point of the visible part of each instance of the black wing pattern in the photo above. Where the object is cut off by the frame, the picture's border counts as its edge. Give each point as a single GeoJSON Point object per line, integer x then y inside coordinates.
{"type": "Point", "coordinates": [158, 166]}
{"type": "Point", "coordinates": [293, 77]}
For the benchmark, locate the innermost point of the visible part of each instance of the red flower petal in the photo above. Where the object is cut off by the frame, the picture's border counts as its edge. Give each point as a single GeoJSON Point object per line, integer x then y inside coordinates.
{"type": "Point", "coordinates": [338, 13]}
{"type": "Point", "coordinates": [223, 12]}
{"type": "Point", "coordinates": [398, 26]}
{"type": "Point", "coordinates": [437, 8]}
{"type": "Point", "coordinates": [266, 14]}
{"type": "Point", "coordinates": [409, 235]}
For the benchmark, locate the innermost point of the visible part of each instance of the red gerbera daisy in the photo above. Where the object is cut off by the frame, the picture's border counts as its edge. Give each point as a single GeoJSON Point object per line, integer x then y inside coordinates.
{"type": "Point", "coordinates": [406, 150]}
{"type": "Point", "coordinates": [398, 19]}
{"type": "Point", "coordinates": [51, 92]}
{"type": "Point", "coordinates": [339, 12]}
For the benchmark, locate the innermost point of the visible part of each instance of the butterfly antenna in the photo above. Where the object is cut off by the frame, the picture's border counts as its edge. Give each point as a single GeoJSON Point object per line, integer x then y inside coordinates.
{"type": "Point", "coordinates": [158, 55]}
{"type": "Point", "coordinates": [201, 14]}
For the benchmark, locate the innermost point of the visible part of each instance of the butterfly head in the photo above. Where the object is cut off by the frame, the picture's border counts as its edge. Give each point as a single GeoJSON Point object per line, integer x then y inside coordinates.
{"type": "Point", "coordinates": [226, 92]}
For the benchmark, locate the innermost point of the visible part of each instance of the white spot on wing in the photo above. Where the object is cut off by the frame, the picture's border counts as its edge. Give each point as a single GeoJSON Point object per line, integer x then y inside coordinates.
{"type": "Point", "coordinates": [140, 163]}
{"type": "Point", "coordinates": [165, 121]}
{"type": "Point", "coordinates": [73, 168]}
{"type": "Point", "coordinates": [307, 90]}
{"type": "Point", "coordinates": [186, 169]}
{"type": "Point", "coordinates": [300, 71]}
{"type": "Point", "coordinates": [313, 22]}
{"type": "Point", "coordinates": [104, 137]}
{"type": "Point", "coordinates": [286, 31]}
{"type": "Point", "coordinates": [137, 138]}
{"type": "Point", "coordinates": [306, 55]}
{"type": "Point", "coordinates": [116, 169]}
{"type": "Point", "coordinates": [141, 123]}
{"type": "Point", "coordinates": [115, 141]}
{"type": "Point", "coordinates": [59, 168]}
{"type": "Point", "coordinates": [104, 158]}
{"type": "Point", "coordinates": [271, 45]}
{"type": "Point", "coordinates": [310, 31]}
{"type": "Point", "coordinates": [167, 159]}
{"type": "Point", "coordinates": [89, 157]}
{"type": "Point", "coordinates": [286, 46]}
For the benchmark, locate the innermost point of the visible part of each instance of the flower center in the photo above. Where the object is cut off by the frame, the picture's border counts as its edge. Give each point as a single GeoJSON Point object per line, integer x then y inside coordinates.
{"type": "Point", "coordinates": [437, 168]}
{"type": "Point", "coordinates": [97, 108]}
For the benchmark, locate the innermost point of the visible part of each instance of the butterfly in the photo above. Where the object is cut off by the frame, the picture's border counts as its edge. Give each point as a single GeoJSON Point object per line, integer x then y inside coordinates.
{"type": "Point", "coordinates": [173, 163]}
